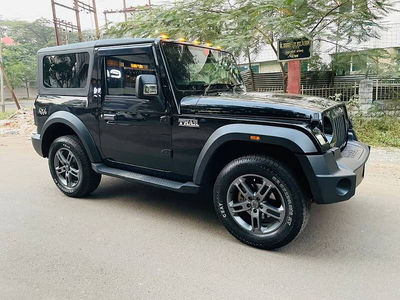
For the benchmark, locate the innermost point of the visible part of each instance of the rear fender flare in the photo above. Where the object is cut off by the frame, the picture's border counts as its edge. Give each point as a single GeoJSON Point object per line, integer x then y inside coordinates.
{"type": "Point", "coordinates": [66, 118]}
{"type": "Point", "coordinates": [295, 140]}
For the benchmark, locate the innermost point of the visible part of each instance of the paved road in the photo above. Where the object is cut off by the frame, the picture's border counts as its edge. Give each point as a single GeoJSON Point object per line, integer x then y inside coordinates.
{"type": "Point", "coordinates": [10, 105]}
{"type": "Point", "coordinates": [127, 241]}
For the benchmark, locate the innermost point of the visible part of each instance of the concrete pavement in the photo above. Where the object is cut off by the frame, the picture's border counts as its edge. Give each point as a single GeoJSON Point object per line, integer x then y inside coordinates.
{"type": "Point", "coordinates": [128, 241]}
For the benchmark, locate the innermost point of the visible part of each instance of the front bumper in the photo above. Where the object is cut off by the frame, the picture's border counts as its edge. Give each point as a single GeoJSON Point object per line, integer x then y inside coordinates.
{"type": "Point", "coordinates": [334, 176]}
{"type": "Point", "coordinates": [37, 143]}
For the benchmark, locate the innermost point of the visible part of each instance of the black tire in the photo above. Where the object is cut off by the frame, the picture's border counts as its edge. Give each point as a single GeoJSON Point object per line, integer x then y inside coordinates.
{"type": "Point", "coordinates": [86, 181]}
{"type": "Point", "coordinates": [280, 187]}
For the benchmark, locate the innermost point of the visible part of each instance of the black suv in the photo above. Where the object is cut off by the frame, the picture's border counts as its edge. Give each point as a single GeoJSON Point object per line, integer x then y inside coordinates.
{"type": "Point", "coordinates": [176, 115]}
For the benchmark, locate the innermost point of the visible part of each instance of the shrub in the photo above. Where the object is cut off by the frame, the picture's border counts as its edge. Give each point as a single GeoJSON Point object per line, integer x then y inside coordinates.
{"type": "Point", "coordinates": [377, 126]}
{"type": "Point", "coordinates": [7, 114]}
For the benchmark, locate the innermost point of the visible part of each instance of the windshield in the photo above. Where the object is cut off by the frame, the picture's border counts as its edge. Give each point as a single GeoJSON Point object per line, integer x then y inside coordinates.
{"type": "Point", "coordinates": [198, 68]}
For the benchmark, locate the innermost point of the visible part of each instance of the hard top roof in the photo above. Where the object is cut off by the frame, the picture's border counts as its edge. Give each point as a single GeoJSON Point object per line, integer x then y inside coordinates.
{"type": "Point", "coordinates": [98, 43]}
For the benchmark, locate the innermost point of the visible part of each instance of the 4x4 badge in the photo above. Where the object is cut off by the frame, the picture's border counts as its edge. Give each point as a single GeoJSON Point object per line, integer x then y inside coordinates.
{"type": "Point", "coordinates": [42, 111]}
{"type": "Point", "coordinates": [188, 123]}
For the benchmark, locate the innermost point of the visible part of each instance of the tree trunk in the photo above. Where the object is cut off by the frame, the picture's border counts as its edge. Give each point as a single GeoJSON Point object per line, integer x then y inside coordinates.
{"type": "Point", "coordinates": [9, 86]}
{"type": "Point", "coordinates": [253, 86]}
{"type": "Point", "coordinates": [284, 77]}
{"type": "Point", "coordinates": [27, 88]}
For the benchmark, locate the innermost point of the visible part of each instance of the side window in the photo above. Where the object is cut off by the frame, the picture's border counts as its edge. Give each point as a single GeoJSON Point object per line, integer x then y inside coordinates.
{"type": "Point", "coordinates": [66, 70]}
{"type": "Point", "coordinates": [122, 71]}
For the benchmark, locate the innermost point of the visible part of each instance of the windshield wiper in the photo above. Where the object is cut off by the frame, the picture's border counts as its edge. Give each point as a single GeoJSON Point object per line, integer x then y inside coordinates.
{"type": "Point", "coordinates": [234, 86]}
{"type": "Point", "coordinates": [228, 86]}
{"type": "Point", "coordinates": [208, 86]}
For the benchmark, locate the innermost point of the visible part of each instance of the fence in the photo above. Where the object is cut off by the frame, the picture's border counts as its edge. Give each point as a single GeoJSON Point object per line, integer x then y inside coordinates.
{"type": "Point", "coordinates": [383, 90]}
{"type": "Point", "coordinates": [386, 90]}
{"type": "Point", "coordinates": [272, 89]}
{"type": "Point", "coordinates": [274, 80]}
{"type": "Point", "coordinates": [339, 92]}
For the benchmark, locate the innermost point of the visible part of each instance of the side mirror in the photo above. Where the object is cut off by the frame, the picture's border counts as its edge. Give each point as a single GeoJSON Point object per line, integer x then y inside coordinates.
{"type": "Point", "coordinates": [146, 87]}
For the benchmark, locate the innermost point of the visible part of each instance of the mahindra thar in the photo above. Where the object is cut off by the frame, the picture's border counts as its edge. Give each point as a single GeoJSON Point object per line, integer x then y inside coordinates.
{"type": "Point", "coordinates": [177, 116]}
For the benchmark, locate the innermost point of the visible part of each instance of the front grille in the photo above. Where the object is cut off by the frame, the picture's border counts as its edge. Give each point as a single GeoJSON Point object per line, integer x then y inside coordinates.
{"type": "Point", "coordinates": [336, 125]}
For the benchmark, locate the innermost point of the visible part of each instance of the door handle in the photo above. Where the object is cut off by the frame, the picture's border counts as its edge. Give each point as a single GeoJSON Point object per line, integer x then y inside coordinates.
{"type": "Point", "coordinates": [109, 117]}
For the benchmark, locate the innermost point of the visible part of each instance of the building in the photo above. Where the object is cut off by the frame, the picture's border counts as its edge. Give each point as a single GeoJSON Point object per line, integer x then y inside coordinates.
{"type": "Point", "coordinates": [352, 55]}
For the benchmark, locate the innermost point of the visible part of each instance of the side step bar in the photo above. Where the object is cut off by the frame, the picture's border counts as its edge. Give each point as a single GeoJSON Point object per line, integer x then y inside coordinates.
{"type": "Point", "coordinates": [188, 187]}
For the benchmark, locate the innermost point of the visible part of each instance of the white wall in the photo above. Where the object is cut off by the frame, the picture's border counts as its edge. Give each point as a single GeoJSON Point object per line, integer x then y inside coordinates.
{"type": "Point", "coordinates": [270, 67]}
{"type": "Point", "coordinates": [20, 93]}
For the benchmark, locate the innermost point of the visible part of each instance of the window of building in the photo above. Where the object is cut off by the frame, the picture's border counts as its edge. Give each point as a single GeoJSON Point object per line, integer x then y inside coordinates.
{"type": "Point", "coordinates": [122, 72]}
{"type": "Point", "coordinates": [66, 70]}
{"type": "Point", "coordinates": [304, 66]}
{"type": "Point", "coordinates": [341, 63]}
{"type": "Point", "coordinates": [358, 64]}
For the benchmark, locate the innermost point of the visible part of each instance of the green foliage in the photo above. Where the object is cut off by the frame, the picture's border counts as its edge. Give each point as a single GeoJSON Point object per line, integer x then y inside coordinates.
{"type": "Point", "coordinates": [240, 25]}
{"type": "Point", "coordinates": [206, 21]}
{"type": "Point", "coordinates": [20, 65]}
{"type": "Point", "coordinates": [378, 126]}
{"type": "Point", "coordinates": [372, 61]}
{"type": "Point", "coordinates": [32, 35]}
{"type": "Point", "coordinates": [382, 131]}
{"type": "Point", "coordinates": [20, 59]}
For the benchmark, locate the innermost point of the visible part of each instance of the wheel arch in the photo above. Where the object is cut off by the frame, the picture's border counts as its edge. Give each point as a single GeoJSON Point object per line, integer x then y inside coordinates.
{"type": "Point", "coordinates": [232, 141]}
{"type": "Point", "coordinates": [64, 123]}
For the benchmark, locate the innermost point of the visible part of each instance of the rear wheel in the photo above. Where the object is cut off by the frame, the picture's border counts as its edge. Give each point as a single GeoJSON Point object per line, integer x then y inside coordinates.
{"type": "Point", "coordinates": [70, 167]}
{"type": "Point", "coordinates": [260, 202]}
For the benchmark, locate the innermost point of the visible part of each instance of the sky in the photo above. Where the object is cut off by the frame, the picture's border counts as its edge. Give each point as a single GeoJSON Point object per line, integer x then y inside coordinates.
{"type": "Point", "coordinates": [31, 10]}
{"type": "Point", "coordinates": [34, 9]}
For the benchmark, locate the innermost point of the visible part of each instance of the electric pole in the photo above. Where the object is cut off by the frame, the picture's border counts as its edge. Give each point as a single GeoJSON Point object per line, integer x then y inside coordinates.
{"type": "Point", "coordinates": [53, 8]}
{"type": "Point", "coordinates": [96, 21]}
{"type": "Point", "coordinates": [78, 20]}
{"type": "Point", "coordinates": [3, 105]}
{"type": "Point", "coordinates": [77, 6]}
{"type": "Point", "coordinates": [9, 86]}
{"type": "Point", "coordinates": [66, 26]}
{"type": "Point", "coordinates": [92, 9]}
{"type": "Point", "coordinates": [125, 10]}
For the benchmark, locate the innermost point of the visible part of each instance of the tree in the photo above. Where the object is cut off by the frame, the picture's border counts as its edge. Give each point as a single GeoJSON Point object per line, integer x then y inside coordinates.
{"type": "Point", "coordinates": [204, 21]}
{"type": "Point", "coordinates": [245, 24]}
{"type": "Point", "coordinates": [20, 60]}
{"type": "Point", "coordinates": [33, 35]}
{"type": "Point", "coordinates": [379, 62]}
{"type": "Point", "coordinates": [20, 65]}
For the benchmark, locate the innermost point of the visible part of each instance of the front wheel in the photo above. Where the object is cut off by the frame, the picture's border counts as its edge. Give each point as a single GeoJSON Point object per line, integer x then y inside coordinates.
{"type": "Point", "coordinates": [70, 167]}
{"type": "Point", "coordinates": [260, 202]}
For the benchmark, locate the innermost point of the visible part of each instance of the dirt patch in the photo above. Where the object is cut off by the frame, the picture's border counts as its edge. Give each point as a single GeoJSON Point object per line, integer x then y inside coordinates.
{"type": "Point", "coordinates": [21, 123]}
{"type": "Point", "coordinates": [384, 165]}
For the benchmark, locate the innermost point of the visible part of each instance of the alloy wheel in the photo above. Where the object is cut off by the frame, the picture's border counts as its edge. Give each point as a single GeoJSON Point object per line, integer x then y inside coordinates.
{"type": "Point", "coordinates": [256, 204]}
{"type": "Point", "coordinates": [67, 168]}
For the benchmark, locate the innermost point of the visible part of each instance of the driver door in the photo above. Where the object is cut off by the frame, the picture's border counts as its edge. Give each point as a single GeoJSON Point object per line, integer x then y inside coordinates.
{"type": "Point", "coordinates": [130, 129]}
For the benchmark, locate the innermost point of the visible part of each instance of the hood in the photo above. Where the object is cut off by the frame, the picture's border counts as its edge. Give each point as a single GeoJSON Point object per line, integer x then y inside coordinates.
{"type": "Point", "coordinates": [276, 106]}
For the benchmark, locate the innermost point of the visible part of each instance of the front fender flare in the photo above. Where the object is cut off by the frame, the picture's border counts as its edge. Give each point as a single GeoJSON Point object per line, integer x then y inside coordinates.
{"type": "Point", "coordinates": [66, 118]}
{"type": "Point", "coordinates": [293, 139]}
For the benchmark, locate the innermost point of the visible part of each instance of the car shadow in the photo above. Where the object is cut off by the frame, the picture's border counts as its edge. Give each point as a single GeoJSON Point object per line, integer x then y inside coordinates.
{"type": "Point", "coordinates": [324, 236]}
{"type": "Point", "coordinates": [157, 201]}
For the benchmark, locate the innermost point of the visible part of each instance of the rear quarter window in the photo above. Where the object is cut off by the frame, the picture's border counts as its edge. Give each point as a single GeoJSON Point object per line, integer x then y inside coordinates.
{"type": "Point", "coordinates": [66, 70]}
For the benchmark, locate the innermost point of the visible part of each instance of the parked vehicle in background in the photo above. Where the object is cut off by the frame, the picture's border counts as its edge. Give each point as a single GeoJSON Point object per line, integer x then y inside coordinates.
{"type": "Point", "coordinates": [176, 115]}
